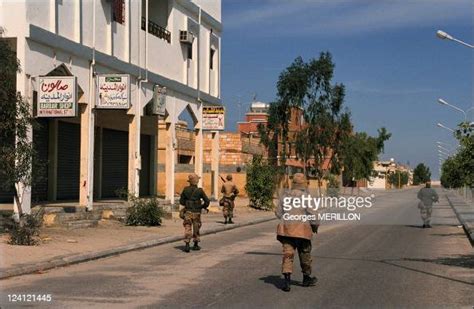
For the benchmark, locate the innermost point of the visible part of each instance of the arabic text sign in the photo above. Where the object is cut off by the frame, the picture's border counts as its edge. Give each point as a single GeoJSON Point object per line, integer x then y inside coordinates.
{"type": "Point", "coordinates": [113, 91]}
{"type": "Point", "coordinates": [57, 96]}
{"type": "Point", "coordinates": [159, 101]}
{"type": "Point", "coordinates": [213, 118]}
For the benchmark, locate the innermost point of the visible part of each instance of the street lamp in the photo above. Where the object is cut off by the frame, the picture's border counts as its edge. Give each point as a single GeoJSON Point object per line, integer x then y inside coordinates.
{"type": "Point", "coordinates": [444, 149]}
{"type": "Point", "coordinates": [443, 102]}
{"type": "Point", "coordinates": [444, 36]}
{"type": "Point", "coordinates": [443, 153]}
{"type": "Point", "coordinates": [445, 144]}
{"type": "Point", "coordinates": [464, 112]}
{"type": "Point", "coordinates": [444, 127]}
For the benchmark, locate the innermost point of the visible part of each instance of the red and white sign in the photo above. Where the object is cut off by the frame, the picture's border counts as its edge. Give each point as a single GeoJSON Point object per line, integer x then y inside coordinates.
{"type": "Point", "coordinates": [57, 96]}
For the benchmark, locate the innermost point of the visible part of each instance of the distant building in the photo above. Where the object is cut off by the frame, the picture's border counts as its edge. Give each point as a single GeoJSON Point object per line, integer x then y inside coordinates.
{"type": "Point", "coordinates": [258, 116]}
{"type": "Point", "coordinates": [382, 169]}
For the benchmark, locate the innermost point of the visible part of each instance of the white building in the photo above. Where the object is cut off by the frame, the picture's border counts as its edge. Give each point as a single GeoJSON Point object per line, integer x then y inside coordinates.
{"type": "Point", "coordinates": [382, 170]}
{"type": "Point", "coordinates": [98, 151]}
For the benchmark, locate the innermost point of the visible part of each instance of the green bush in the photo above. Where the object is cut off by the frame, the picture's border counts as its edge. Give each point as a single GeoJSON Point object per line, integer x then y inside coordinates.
{"type": "Point", "coordinates": [332, 186]}
{"type": "Point", "coordinates": [25, 232]}
{"type": "Point", "coordinates": [261, 183]}
{"type": "Point", "coordinates": [144, 212]}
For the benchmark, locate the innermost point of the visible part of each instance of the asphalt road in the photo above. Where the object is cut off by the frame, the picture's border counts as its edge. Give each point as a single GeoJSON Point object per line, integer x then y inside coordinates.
{"type": "Point", "coordinates": [391, 262]}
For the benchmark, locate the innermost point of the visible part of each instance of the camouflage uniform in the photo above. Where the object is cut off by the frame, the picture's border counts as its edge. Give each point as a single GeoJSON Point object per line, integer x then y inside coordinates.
{"type": "Point", "coordinates": [191, 200]}
{"type": "Point", "coordinates": [230, 191]}
{"type": "Point", "coordinates": [296, 235]}
{"type": "Point", "coordinates": [290, 245]}
{"type": "Point", "coordinates": [427, 196]}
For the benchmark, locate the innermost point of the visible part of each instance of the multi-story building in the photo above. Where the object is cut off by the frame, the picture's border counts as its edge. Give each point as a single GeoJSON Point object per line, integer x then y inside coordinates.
{"type": "Point", "coordinates": [258, 116]}
{"type": "Point", "coordinates": [382, 171]}
{"type": "Point", "coordinates": [153, 45]}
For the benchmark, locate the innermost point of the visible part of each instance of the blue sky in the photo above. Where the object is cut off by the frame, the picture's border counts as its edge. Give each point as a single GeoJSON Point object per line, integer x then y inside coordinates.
{"type": "Point", "coordinates": [386, 53]}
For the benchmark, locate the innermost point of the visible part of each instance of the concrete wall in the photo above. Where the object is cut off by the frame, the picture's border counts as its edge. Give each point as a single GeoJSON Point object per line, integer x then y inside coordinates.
{"type": "Point", "coordinates": [213, 7]}
{"type": "Point", "coordinates": [183, 170]}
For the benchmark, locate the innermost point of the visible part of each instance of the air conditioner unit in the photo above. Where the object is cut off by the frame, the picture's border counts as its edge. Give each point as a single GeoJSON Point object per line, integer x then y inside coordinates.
{"type": "Point", "coordinates": [186, 37]}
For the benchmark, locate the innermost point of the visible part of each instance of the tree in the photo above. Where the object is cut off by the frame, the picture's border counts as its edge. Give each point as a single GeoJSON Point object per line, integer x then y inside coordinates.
{"type": "Point", "coordinates": [291, 90]}
{"type": "Point", "coordinates": [261, 183]}
{"type": "Point", "coordinates": [328, 122]}
{"type": "Point", "coordinates": [360, 151]}
{"type": "Point", "coordinates": [421, 174]}
{"type": "Point", "coordinates": [307, 85]}
{"type": "Point", "coordinates": [398, 179]}
{"type": "Point", "coordinates": [458, 171]}
{"type": "Point", "coordinates": [451, 174]}
{"type": "Point", "coordinates": [16, 122]}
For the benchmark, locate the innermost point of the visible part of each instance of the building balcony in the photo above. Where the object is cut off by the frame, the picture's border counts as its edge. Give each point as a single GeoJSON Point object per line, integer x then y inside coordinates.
{"type": "Point", "coordinates": [157, 30]}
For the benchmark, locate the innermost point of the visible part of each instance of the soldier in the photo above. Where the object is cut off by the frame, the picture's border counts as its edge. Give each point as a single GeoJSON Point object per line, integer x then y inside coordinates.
{"type": "Point", "coordinates": [230, 191]}
{"type": "Point", "coordinates": [191, 214]}
{"type": "Point", "coordinates": [427, 196]}
{"type": "Point", "coordinates": [295, 235]}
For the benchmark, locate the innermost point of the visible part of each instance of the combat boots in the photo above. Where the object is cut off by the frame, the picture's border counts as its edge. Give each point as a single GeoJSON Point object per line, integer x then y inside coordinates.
{"type": "Point", "coordinates": [230, 221]}
{"type": "Point", "coordinates": [196, 246]}
{"type": "Point", "coordinates": [308, 280]}
{"type": "Point", "coordinates": [225, 221]}
{"type": "Point", "coordinates": [287, 282]}
{"type": "Point", "coordinates": [186, 247]}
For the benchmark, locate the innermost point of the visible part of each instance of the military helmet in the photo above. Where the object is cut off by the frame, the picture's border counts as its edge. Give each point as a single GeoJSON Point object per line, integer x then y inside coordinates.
{"type": "Point", "coordinates": [229, 177]}
{"type": "Point", "coordinates": [193, 179]}
{"type": "Point", "coordinates": [299, 181]}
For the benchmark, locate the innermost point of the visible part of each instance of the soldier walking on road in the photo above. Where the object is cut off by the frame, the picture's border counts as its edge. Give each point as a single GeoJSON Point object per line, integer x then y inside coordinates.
{"type": "Point", "coordinates": [427, 197]}
{"type": "Point", "coordinates": [194, 200]}
{"type": "Point", "coordinates": [295, 235]}
{"type": "Point", "coordinates": [230, 191]}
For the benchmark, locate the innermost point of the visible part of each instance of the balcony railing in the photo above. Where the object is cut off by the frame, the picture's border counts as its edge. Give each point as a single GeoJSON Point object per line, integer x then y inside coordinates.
{"type": "Point", "coordinates": [156, 30]}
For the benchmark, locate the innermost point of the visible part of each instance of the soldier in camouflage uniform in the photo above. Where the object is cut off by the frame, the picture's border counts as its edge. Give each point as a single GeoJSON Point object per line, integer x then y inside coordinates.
{"type": "Point", "coordinates": [194, 200]}
{"type": "Point", "coordinates": [296, 235]}
{"type": "Point", "coordinates": [427, 197]}
{"type": "Point", "coordinates": [230, 191]}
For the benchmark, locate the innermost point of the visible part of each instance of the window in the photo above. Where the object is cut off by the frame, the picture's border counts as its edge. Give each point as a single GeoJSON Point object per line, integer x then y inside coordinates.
{"type": "Point", "coordinates": [211, 59]}
{"type": "Point", "coordinates": [190, 51]}
{"type": "Point", "coordinates": [118, 7]}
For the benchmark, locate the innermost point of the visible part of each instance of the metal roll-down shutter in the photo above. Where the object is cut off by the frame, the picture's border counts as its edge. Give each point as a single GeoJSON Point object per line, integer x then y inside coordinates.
{"type": "Point", "coordinates": [145, 173]}
{"type": "Point", "coordinates": [68, 173]}
{"type": "Point", "coordinates": [114, 162]}
{"type": "Point", "coordinates": [39, 188]}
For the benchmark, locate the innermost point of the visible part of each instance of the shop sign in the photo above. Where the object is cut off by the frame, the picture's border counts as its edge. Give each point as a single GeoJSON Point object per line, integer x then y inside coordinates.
{"type": "Point", "coordinates": [57, 96]}
{"type": "Point", "coordinates": [213, 118]}
{"type": "Point", "coordinates": [158, 105]}
{"type": "Point", "coordinates": [113, 91]}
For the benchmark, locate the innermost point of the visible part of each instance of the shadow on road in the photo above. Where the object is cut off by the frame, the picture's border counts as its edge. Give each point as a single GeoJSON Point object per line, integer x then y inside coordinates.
{"type": "Point", "coordinates": [277, 281]}
{"type": "Point", "coordinates": [466, 261]}
{"type": "Point", "coordinates": [450, 234]}
{"type": "Point", "coordinates": [180, 248]}
{"type": "Point", "coordinates": [415, 226]}
{"type": "Point", "coordinates": [392, 262]}
{"type": "Point", "coordinates": [262, 253]}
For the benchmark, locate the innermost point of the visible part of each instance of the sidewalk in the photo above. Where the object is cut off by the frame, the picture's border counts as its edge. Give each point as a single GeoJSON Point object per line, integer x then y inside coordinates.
{"type": "Point", "coordinates": [61, 247]}
{"type": "Point", "coordinates": [464, 212]}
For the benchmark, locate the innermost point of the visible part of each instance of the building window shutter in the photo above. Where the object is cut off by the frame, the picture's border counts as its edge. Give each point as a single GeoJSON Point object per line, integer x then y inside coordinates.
{"type": "Point", "coordinates": [119, 11]}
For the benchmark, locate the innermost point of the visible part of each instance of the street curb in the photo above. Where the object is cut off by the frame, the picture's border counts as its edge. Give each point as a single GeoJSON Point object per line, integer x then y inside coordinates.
{"type": "Point", "coordinates": [468, 224]}
{"type": "Point", "coordinates": [81, 258]}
